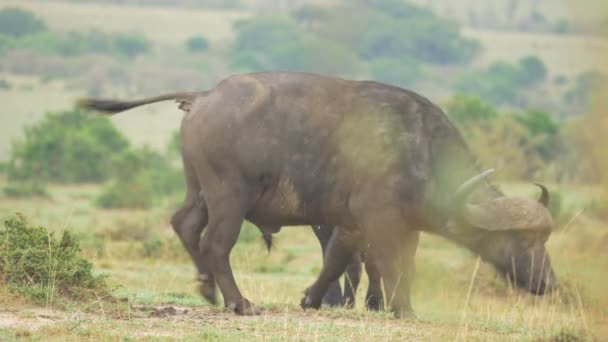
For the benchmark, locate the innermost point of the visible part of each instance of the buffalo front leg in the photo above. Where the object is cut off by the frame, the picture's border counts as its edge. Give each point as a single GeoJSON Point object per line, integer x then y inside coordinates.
{"type": "Point", "coordinates": [373, 297]}
{"type": "Point", "coordinates": [340, 250]}
{"type": "Point", "coordinates": [333, 297]}
{"type": "Point", "coordinates": [352, 276]}
{"type": "Point", "coordinates": [188, 222]}
{"type": "Point", "coordinates": [221, 234]}
{"type": "Point", "coordinates": [392, 247]}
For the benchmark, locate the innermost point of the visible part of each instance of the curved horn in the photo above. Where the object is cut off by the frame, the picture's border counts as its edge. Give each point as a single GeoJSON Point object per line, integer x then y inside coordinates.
{"type": "Point", "coordinates": [467, 187]}
{"type": "Point", "coordinates": [544, 196]}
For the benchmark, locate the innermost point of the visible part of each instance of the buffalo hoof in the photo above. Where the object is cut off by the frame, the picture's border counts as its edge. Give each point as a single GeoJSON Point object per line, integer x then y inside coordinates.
{"type": "Point", "coordinates": [244, 308]}
{"type": "Point", "coordinates": [373, 304]}
{"type": "Point", "coordinates": [208, 291]}
{"type": "Point", "coordinates": [333, 297]}
{"type": "Point", "coordinates": [308, 302]}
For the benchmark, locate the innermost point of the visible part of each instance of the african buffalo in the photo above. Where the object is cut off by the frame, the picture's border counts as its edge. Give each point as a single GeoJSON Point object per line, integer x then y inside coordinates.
{"type": "Point", "coordinates": [379, 162]}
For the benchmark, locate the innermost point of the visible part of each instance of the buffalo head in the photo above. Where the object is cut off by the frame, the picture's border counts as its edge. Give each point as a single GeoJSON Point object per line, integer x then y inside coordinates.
{"type": "Point", "coordinates": [508, 232]}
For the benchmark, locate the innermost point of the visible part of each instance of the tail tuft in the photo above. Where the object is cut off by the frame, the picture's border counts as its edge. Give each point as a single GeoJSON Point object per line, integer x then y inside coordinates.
{"type": "Point", "coordinates": [110, 107]}
{"type": "Point", "coordinates": [105, 106]}
{"type": "Point", "coordinates": [267, 240]}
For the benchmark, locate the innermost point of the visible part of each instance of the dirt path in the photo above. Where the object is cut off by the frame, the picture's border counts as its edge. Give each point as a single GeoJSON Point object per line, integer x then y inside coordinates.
{"type": "Point", "coordinates": [178, 322]}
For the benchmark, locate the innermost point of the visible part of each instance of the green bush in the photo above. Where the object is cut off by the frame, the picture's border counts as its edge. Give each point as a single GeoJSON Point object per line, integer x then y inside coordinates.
{"type": "Point", "coordinates": [466, 110]}
{"type": "Point", "coordinates": [314, 54]}
{"type": "Point", "coordinates": [428, 39]}
{"type": "Point", "coordinates": [66, 147]}
{"type": "Point", "coordinates": [310, 14]}
{"type": "Point", "coordinates": [17, 22]}
{"type": "Point", "coordinates": [174, 148]}
{"type": "Point", "coordinates": [31, 188]}
{"type": "Point", "coordinates": [197, 44]}
{"type": "Point", "coordinates": [4, 84]}
{"type": "Point", "coordinates": [41, 267]}
{"type": "Point", "coordinates": [313, 39]}
{"type": "Point", "coordinates": [278, 43]}
{"type": "Point", "coordinates": [407, 31]}
{"type": "Point", "coordinates": [579, 96]}
{"type": "Point", "coordinates": [400, 72]}
{"type": "Point", "coordinates": [264, 33]}
{"type": "Point", "coordinates": [136, 193]}
{"type": "Point", "coordinates": [503, 83]}
{"type": "Point", "coordinates": [523, 145]}
{"type": "Point", "coordinates": [141, 177]}
{"type": "Point", "coordinates": [543, 132]}
{"type": "Point", "coordinates": [131, 45]}
{"type": "Point", "coordinates": [78, 43]}
{"type": "Point", "coordinates": [533, 70]}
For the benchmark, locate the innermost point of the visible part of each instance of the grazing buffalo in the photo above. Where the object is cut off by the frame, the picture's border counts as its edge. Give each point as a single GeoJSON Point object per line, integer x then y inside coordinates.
{"type": "Point", "coordinates": [378, 162]}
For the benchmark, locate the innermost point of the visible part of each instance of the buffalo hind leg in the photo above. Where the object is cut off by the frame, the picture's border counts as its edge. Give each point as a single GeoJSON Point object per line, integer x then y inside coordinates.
{"type": "Point", "coordinates": [333, 297]}
{"type": "Point", "coordinates": [188, 222]}
{"type": "Point", "coordinates": [221, 234]}
{"type": "Point", "coordinates": [340, 250]}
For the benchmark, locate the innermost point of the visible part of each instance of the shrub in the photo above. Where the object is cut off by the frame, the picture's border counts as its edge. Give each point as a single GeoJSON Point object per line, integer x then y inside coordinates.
{"type": "Point", "coordinates": [41, 267]}
{"type": "Point", "coordinates": [79, 43]}
{"type": "Point", "coordinates": [466, 110]}
{"type": "Point", "coordinates": [581, 94]}
{"type": "Point", "coordinates": [310, 14]}
{"type": "Point", "coordinates": [533, 70]}
{"type": "Point", "coordinates": [141, 177]}
{"type": "Point", "coordinates": [562, 26]}
{"type": "Point", "coordinates": [407, 30]}
{"type": "Point", "coordinates": [543, 133]}
{"type": "Point", "coordinates": [17, 22]}
{"type": "Point", "coordinates": [66, 147]}
{"type": "Point", "coordinates": [131, 45]}
{"type": "Point", "coordinates": [31, 188]}
{"type": "Point", "coordinates": [314, 54]}
{"type": "Point", "coordinates": [136, 193]}
{"type": "Point", "coordinates": [197, 44]}
{"type": "Point", "coordinates": [174, 148]}
{"type": "Point", "coordinates": [400, 72]}
{"type": "Point", "coordinates": [4, 84]}
{"type": "Point", "coordinates": [503, 83]}
{"type": "Point", "coordinates": [428, 39]}
{"type": "Point", "coordinates": [264, 33]}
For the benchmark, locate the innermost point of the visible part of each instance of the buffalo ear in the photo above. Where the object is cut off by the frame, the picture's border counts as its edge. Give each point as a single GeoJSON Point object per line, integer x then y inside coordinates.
{"type": "Point", "coordinates": [544, 196]}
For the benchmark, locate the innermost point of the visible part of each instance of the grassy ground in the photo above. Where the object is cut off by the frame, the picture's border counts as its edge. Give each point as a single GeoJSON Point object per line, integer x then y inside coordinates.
{"type": "Point", "coordinates": [146, 263]}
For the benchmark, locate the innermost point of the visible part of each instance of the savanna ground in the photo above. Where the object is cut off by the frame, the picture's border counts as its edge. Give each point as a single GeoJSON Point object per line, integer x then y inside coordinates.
{"type": "Point", "coordinates": [452, 297]}
{"type": "Point", "coordinates": [147, 265]}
